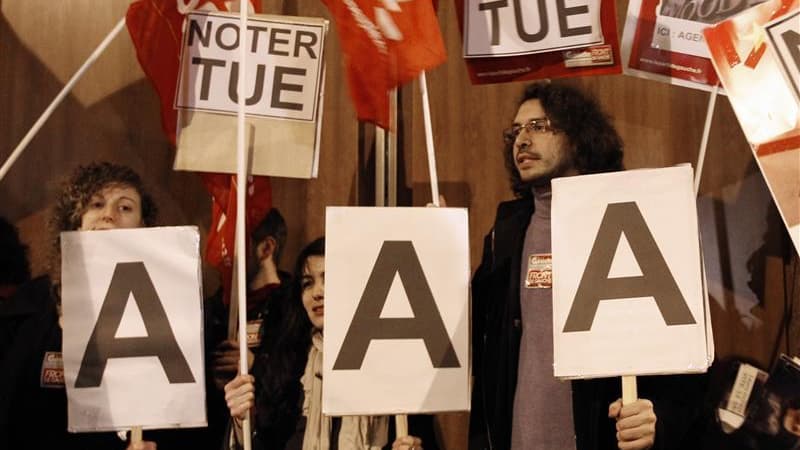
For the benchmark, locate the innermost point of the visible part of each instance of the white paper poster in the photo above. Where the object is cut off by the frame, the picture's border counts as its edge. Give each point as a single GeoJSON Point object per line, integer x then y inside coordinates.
{"type": "Point", "coordinates": [627, 283]}
{"type": "Point", "coordinates": [493, 28]}
{"type": "Point", "coordinates": [132, 327]}
{"type": "Point", "coordinates": [784, 39]}
{"type": "Point", "coordinates": [754, 54]}
{"type": "Point", "coordinates": [284, 83]}
{"type": "Point", "coordinates": [396, 311]}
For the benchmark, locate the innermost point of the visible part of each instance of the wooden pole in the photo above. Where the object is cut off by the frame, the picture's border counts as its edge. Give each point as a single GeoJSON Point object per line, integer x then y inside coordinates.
{"type": "Point", "coordinates": [241, 190]}
{"type": "Point", "coordinates": [401, 425]}
{"type": "Point", "coordinates": [426, 115]}
{"type": "Point", "coordinates": [629, 394]}
{"type": "Point", "coordinates": [136, 435]}
{"type": "Point", "coordinates": [701, 156]}
{"type": "Point", "coordinates": [59, 98]}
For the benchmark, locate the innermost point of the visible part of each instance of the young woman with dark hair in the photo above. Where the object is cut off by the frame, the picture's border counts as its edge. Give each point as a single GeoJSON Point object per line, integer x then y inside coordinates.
{"type": "Point", "coordinates": [286, 385]}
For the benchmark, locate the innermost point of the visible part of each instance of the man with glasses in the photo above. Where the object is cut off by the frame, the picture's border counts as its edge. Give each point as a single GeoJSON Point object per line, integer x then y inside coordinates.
{"type": "Point", "coordinates": [517, 403]}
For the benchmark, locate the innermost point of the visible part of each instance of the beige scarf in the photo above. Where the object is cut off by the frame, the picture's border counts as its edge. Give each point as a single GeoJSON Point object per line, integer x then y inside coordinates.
{"type": "Point", "coordinates": [357, 432]}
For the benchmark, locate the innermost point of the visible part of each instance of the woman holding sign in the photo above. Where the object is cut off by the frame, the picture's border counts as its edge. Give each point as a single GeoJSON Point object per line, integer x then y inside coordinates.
{"type": "Point", "coordinates": [286, 385]}
{"type": "Point", "coordinates": [33, 410]}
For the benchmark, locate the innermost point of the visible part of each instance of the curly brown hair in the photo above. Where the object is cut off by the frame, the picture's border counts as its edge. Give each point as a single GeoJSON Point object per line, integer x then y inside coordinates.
{"type": "Point", "coordinates": [597, 146]}
{"type": "Point", "coordinates": [88, 180]}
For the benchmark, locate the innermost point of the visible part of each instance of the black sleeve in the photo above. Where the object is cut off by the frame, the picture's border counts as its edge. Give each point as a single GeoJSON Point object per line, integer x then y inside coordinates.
{"type": "Point", "coordinates": [678, 402]}
{"type": "Point", "coordinates": [480, 295]}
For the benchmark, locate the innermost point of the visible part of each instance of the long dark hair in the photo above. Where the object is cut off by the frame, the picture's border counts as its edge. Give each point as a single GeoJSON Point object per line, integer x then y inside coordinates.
{"type": "Point", "coordinates": [281, 360]}
{"type": "Point", "coordinates": [596, 144]}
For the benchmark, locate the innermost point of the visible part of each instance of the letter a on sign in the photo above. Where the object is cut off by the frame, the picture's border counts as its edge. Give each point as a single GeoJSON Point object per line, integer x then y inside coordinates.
{"type": "Point", "coordinates": [627, 279]}
{"type": "Point", "coordinates": [131, 279]}
{"type": "Point", "coordinates": [396, 310]}
{"type": "Point", "coordinates": [656, 280]}
{"type": "Point", "coordinates": [132, 320]}
{"type": "Point", "coordinates": [396, 258]}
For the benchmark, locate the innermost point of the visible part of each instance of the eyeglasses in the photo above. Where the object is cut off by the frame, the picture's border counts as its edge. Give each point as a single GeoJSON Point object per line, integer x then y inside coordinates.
{"type": "Point", "coordinates": [538, 125]}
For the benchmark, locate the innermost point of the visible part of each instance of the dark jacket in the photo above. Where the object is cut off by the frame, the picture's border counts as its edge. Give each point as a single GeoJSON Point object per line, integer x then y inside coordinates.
{"type": "Point", "coordinates": [496, 333]}
{"type": "Point", "coordinates": [35, 417]}
{"type": "Point", "coordinates": [31, 416]}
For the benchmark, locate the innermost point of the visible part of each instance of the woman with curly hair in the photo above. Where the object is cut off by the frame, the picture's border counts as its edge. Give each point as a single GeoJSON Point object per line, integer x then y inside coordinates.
{"type": "Point", "coordinates": [33, 407]}
{"type": "Point", "coordinates": [286, 385]}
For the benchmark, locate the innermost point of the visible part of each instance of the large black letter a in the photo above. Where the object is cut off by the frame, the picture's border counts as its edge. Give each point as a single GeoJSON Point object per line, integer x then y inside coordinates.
{"type": "Point", "coordinates": [656, 280]}
{"type": "Point", "coordinates": [132, 278]}
{"type": "Point", "coordinates": [396, 257]}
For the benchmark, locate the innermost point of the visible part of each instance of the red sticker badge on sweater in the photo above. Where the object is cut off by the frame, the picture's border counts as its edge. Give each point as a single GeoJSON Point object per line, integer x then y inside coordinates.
{"type": "Point", "coordinates": [52, 371]}
{"type": "Point", "coordinates": [540, 271]}
{"type": "Point", "coordinates": [253, 333]}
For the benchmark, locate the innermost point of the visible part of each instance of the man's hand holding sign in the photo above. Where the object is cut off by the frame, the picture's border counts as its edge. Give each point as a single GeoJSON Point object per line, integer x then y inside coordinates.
{"type": "Point", "coordinates": [627, 294]}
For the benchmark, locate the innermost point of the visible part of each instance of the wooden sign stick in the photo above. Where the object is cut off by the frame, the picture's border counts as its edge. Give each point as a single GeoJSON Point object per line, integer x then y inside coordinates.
{"type": "Point", "coordinates": [136, 435]}
{"type": "Point", "coordinates": [629, 394]}
{"type": "Point", "coordinates": [401, 425]}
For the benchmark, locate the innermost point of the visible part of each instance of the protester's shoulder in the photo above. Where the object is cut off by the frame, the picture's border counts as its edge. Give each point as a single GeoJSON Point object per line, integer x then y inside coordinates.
{"type": "Point", "coordinates": [511, 208]}
{"type": "Point", "coordinates": [33, 297]}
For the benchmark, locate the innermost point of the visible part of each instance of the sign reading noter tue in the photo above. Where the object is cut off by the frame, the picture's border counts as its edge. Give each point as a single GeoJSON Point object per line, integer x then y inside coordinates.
{"type": "Point", "coordinates": [396, 311]}
{"type": "Point", "coordinates": [284, 66]}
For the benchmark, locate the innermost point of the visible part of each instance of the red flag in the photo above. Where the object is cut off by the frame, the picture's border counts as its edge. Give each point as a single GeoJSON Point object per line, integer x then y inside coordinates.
{"type": "Point", "coordinates": [156, 29]}
{"type": "Point", "coordinates": [386, 43]}
{"type": "Point", "coordinates": [222, 232]}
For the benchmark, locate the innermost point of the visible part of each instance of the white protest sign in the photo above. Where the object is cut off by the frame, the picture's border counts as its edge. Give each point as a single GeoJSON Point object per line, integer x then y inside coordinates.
{"type": "Point", "coordinates": [284, 66]}
{"type": "Point", "coordinates": [396, 311]}
{"type": "Point", "coordinates": [503, 28]}
{"type": "Point", "coordinates": [627, 282]}
{"type": "Point", "coordinates": [679, 23]}
{"type": "Point", "coordinates": [132, 320]}
{"type": "Point", "coordinates": [284, 89]}
{"type": "Point", "coordinates": [784, 38]}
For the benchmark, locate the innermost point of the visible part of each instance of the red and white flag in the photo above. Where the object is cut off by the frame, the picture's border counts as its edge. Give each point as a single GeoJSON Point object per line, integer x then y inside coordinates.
{"type": "Point", "coordinates": [386, 44]}
{"type": "Point", "coordinates": [156, 28]}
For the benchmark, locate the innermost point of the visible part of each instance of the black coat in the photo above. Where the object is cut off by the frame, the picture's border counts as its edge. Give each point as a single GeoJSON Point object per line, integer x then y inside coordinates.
{"type": "Point", "coordinates": [496, 333]}
{"type": "Point", "coordinates": [31, 416]}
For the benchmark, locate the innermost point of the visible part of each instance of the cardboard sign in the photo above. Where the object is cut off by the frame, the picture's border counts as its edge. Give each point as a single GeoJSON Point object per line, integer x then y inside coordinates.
{"type": "Point", "coordinates": [514, 41]}
{"type": "Point", "coordinates": [520, 28]}
{"type": "Point", "coordinates": [284, 84]}
{"type": "Point", "coordinates": [663, 39]}
{"type": "Point", "coordinates": [132, 321]}
{"type": "Point", "coordinates": [784, 39]}
{"type": "Point", "coordinates": [627, 283]}
{"type": "Point", "coordinates": [757, 78]}
{"type": "Point", "coordinates": [396, 311]}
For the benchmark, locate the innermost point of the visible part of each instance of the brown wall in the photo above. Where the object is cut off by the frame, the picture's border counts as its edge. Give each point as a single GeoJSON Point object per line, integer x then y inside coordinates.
{"type": "Point", "coordinates": [113, 114]}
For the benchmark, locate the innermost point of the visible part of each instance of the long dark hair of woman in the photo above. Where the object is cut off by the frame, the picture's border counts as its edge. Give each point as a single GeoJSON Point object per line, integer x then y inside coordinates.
{"type": "Point", "coordinates": [286, 338]}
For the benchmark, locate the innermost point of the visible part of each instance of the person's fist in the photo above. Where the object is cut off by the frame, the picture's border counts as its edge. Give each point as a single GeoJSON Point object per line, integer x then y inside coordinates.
{"type": "Point", "coordinates": [636, 424]}
{"type": "Point", "coordinates": [240, 395]}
